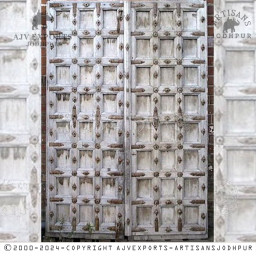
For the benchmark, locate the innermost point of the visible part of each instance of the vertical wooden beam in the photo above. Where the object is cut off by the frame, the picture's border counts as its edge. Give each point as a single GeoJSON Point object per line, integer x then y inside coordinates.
{"type": "Point", "coordinates": [127, 117]}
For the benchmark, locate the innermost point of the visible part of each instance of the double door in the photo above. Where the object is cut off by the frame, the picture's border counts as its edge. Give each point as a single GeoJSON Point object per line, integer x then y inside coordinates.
{"type": "Point", "coordinates": [127, 120]}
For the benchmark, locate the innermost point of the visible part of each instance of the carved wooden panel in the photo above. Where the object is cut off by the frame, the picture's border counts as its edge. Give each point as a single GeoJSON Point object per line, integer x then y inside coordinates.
{"type": "Point", "coordinates": [235, 102]}
{"type": "Point", "coordinates": [20, 165]}
{"type": "Point", "coordinates": [127, 127]}
{"type": "Point", "coordinates": [169, 124]}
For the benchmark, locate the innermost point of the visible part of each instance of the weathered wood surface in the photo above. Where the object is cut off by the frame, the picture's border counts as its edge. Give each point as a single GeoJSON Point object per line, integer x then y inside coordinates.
{"type": "Point", "coordinates": [92, 128]}
{"type": "Point", "coordinates": [235, 130]}
{"type": "Point", "coordinates": [166, 197]}
{"type": "Point", "coordinates": [20, 124]}
{"type": "Point", "coordinates": [127, 126]}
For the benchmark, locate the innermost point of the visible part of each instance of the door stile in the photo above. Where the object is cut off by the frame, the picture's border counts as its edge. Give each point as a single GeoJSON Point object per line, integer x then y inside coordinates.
{"type": "Point", "coordinates": [127, 116]}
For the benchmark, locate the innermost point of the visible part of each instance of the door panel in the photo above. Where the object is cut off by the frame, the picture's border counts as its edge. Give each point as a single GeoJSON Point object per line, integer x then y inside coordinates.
{"type": "Point", "coordinates": [20, 123]}
{"type": "Point", "coordinates": [168, 115]}
{"type": "Point", "coordinates": [127, 127]}
{"type": "Point", "coordinates": [235, 130]}
{"type": "Point", "coordinates": [85, 119]}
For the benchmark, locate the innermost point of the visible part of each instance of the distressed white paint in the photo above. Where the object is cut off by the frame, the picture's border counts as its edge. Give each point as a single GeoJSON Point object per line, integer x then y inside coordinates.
{"type": "Point", "coordinates": [235, 129]}
{"type": "Point", "coordinates": [20, 124]}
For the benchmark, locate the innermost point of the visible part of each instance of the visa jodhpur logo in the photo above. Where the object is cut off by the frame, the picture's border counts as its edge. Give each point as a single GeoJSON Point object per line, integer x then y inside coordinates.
{"type": "Point", "coordinates": [230, 22]}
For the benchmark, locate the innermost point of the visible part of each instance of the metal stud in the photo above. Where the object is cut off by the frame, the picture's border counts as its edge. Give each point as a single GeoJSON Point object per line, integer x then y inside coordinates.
{"type": "Point", "coordinates": [156, 147]}
{"type": "Point", "coordinates": [98, 75]}
{"type": "Point", "coordinates": [98, 61]}
{"type": "Point", "coordinates": [156, 188]}
{"type": "Point", "coordinates": [155, 62]}
{"type": "Point", "coordinates": [97, 201]}
{"type": "Point", "coordinates": [156, 202]}
{"type": "Point", "coordinates": [179, 75]}
{"type": "Point", "coordinates": [179, 211]}
{"type": "Point", "coordinates": [98, 32]}
{"type": "Point", "coordinates": [156, 174]}
{"type": "Point", "coordinates": [74, 187]}
{"type": "Point", "coordinates": [179, 202]}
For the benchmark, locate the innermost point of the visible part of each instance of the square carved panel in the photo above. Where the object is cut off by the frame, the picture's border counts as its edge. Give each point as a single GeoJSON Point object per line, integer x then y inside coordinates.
{"type": "Point", "coordinates": [143, 20]}
{"type": "Point", "coordinates": [144, 160]}
{"type": "Point", "coordinates": [144, 188]}
{"type": "Point", "coordinates": [167, 48]}
{"type": "Point", "coordinates": [63, 75]}
{"type": "Point", "coordinates": [144, 216]}
{"type": "Point", "coordinates": [63, 158]}
{"type": "Point", "coordinates": [143, 48]}
{"type": "Point", "coordinates": [191, 214]}
{"type": "Point", "coordinates": [86, 48]}
{"type": "Point", "coordinates": [63, 48]}
{"type": "Point", "coordinates": [86, 19]}
{"type": "Point", "coordinates": [86, 160]}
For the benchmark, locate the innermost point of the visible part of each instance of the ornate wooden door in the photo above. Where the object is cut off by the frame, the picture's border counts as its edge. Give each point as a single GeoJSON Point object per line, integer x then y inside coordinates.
{"type": "Point", "coordinates": [127, 126]}
{"type": "Point", "coordinates": [20, 122]}
{"type": "Point", "coordinates": [86, 127]}
{"type": "Point", "coordinates": [168, 120]}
